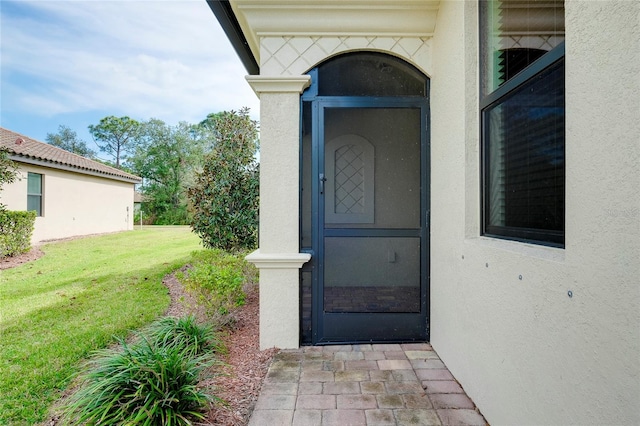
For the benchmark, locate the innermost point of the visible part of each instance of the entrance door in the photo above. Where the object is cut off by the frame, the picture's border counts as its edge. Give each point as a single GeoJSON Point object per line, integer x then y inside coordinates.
{"type": "Point", "coordinates": [372, 230]}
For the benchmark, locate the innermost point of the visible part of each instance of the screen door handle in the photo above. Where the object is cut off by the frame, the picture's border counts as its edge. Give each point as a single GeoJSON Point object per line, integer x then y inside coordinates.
{"type": "Point", "coordinates": [322, 181]}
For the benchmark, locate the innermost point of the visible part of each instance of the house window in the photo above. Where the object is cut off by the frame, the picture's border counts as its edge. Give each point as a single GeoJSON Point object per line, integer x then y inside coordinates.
{"type": "Point", "coordinates": [34, 193]}
{"type": "Point", "coordinates": [522, 103]}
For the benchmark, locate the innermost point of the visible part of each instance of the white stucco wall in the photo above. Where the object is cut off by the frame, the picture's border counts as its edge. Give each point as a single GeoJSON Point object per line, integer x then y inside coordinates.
{"type": "Point", "coordinates": [278, 257]}
{"type": "Point", "coordinates": [524, 351]}
{"type": "Point", "coordinates": [73, 203]}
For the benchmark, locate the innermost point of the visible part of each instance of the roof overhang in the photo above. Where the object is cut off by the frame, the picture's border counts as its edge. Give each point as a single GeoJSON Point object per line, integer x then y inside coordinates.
{"type": "Point", "coordinates": [246, 21]}
{"type": "Point", "coordinates": [225, 16]}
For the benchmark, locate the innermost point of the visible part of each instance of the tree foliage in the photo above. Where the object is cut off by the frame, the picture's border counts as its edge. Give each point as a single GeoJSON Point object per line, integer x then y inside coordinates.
{"type": "Point", "coordinates": [215, 158]}
{"type": "Point", "coordinates": [166, 157]}
{"type": "Point", "coordinates": [224, 198]}
{"type": "Point", "coordinates": [116, 136]}
{"type": "Point", "coordinates": [8, 170]}
{"type": "Point", "coordinates": [68, 140]}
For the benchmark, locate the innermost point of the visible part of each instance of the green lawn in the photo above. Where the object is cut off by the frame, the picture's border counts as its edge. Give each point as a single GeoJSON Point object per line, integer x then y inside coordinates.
{"type": "Point", "coordinates": [55, 311]}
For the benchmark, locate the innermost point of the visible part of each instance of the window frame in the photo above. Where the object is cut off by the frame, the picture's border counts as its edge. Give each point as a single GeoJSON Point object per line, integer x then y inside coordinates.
{"type": "Point", "coordinates": [40, 195]}
{"type": "Point", "coordinates": [521, 234]}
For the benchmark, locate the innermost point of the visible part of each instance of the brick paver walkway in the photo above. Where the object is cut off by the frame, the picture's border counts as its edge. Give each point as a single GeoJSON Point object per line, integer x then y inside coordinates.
{"type": "Point", "coordinates": [386, 384]}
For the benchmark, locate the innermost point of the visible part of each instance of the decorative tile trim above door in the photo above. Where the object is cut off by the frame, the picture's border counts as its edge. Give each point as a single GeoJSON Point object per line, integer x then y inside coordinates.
{"type": "Point", "coordinates": [295, 55]}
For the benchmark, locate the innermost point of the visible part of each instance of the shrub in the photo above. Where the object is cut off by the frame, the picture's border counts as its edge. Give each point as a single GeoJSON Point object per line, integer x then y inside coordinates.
{"type": "Point", "coordinates": [16, 228]}
{"type": "Point", "coordinates": [173, 216]}
{"type": "Point", "coordinates": [217, 280]}
{"type": "Point", "coordinates": [151, 382]}
{"type": "Point", "coordinates": [186, 333]}
{"type": "Point", "coordinates": [224, 199]}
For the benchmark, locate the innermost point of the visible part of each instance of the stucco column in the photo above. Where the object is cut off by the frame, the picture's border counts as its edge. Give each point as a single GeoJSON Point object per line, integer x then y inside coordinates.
{"type": "Point", "coordinates": [278, 257]}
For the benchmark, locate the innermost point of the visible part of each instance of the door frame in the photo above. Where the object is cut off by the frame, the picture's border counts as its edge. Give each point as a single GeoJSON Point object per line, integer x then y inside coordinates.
{"type": "Point", "coordinates": [357, 321]}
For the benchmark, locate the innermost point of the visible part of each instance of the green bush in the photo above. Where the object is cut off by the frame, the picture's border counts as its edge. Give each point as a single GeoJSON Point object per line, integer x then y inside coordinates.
{"type": "Point", "coordinates": [151, 382]}
{"type": "Point", "coordinates": [224, 198]}
{"type": "Point", "coordinates": [217, 279]}
{"type": "Point", "coordinates": [16, 228]}
{"type": "Point", "coordinates": [173, 216]}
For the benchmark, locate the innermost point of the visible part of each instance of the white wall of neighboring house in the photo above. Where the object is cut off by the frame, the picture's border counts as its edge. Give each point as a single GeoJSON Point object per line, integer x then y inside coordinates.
{"type": "Point", "coordinates": [73, 203]}
{"type": "Point", "coordinates": [501, 316]}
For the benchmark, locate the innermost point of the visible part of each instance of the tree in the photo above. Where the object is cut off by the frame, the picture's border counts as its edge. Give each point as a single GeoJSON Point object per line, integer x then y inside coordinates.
{"type": "Point", "coordinates": [8, 170]}
{"type": "Point", "coordinates": [167, 158]}
{"type": "Point", "coordinates": [224, 198]}
{"type": "Point", "coordinates": [68, 140]}
{"type": "Point", "coordinates": [116, 136]}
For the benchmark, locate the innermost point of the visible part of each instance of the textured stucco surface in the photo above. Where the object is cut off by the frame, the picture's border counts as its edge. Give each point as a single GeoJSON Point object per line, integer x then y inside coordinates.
{"type": "Point", "coordinates": [279, 308]}
{"type": "Point", "coordinates": [73, 203]}
{"type": "Point", "coordinates": [279, 172]}
{"type": "Point", "coordinates": [279, 188]}
{"type": "Point", "coordinates": [501, 317]}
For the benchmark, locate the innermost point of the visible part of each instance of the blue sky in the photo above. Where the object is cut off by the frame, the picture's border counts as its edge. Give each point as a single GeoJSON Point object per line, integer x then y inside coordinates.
{"type": "Point", "coordinates": [74, 62]}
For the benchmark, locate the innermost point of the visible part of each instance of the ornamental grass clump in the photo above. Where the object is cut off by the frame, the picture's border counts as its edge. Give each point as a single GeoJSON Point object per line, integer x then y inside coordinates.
{"type": "Point", "coordinates": [185, 332]}
{"type": "Point", "coordinates": [151, 382]}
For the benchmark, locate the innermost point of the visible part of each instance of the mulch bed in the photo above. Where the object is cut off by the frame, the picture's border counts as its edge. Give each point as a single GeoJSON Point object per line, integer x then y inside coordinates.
{"type": "Point", "coordinates": [246, 369]}
{"type": "Point", "coordinates": [13, 261]}
{"type": "Point", "coordinates": [240, 380]}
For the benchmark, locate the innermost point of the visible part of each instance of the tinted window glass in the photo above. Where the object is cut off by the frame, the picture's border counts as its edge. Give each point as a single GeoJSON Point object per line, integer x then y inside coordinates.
{"type": "Point", "coordinates": [369, 74]}
{"type": "Point", "coordinates": [523, 119]}
{"type": "Point", "coordinates": [34, 193]}
{"type": "Point", "coordinates": [524, 139]}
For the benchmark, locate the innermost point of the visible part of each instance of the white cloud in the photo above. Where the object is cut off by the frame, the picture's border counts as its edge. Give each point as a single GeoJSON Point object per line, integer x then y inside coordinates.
{"type": "Point", "coordinates": [145, 59]}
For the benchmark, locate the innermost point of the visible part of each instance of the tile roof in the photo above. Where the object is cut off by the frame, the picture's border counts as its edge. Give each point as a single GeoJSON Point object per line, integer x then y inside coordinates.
{"type": "Point", "coordinates": [139, 197]}
{"type": "Point", "coordinates": [34, 152]}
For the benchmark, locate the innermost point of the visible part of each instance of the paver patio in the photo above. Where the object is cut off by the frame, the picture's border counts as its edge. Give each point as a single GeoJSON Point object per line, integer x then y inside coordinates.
{"type": "Point", "coordinates": [378, 384]}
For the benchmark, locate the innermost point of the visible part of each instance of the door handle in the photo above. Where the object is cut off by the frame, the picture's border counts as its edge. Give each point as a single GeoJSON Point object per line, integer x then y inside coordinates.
{"type": "Point", "coordinates": [322, 181]}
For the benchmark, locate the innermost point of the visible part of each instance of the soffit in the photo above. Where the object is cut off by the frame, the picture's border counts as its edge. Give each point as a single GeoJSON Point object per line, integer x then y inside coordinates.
{"type": "Point", "coordinates": [400, 18]}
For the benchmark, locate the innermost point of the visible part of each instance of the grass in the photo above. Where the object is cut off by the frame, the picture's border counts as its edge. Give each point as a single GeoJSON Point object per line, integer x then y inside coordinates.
{"type": "Point", "coordinates": [152, 381]}
{"type": "Point", "coordinates": [74, 300]}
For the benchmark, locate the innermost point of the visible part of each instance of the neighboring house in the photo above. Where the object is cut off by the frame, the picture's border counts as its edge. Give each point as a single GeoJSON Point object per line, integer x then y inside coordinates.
{"type": "Point", "coordinates": [463, 172]}
{"type": "Point", "coordinates": [71, 195]}
{"type": "Point", "coordinates": [138, 199]}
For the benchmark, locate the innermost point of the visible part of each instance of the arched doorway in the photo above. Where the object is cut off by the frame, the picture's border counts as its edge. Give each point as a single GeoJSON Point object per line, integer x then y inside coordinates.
{"type": "Point", "coordinates": [365, 201]}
